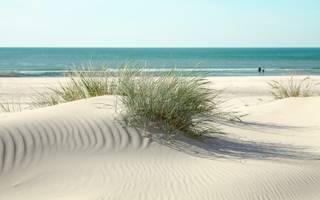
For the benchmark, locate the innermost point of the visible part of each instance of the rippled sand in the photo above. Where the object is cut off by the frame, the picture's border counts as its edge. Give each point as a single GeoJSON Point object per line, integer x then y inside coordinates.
{"type": "Point", "coordinates": [79, 150]}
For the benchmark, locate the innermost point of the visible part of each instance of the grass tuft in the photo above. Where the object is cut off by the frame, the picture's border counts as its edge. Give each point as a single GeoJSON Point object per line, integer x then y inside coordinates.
{"type": "Point", "coordinates": [81, 84]}
{"type": "Point", "coordinates": [170, 102]}
{"type": "Point", "coordinates": [293, 87]}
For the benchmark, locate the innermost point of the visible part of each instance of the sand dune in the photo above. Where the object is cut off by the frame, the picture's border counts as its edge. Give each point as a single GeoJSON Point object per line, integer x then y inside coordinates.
{"type": "Point", "coordinates": [31, 135]}
{"type": "Point", "coordinates": [79, 150]}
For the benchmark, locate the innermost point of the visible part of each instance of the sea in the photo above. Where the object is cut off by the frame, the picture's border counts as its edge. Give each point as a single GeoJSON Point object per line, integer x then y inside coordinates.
{"type": "Point", "coordinates": [19, 62]}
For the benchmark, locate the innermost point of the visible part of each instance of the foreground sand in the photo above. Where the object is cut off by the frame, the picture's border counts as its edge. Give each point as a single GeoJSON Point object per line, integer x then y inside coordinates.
{"type": "Point", "coordinates": [80, 151]}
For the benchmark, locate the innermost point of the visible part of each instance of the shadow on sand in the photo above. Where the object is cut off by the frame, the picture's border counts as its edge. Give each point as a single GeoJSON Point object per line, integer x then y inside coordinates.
{"type": "Point", "coordinates": [222, 146]}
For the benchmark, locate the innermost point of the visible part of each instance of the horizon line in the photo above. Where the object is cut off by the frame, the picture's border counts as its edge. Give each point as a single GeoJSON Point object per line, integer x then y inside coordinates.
{"type": "Point", "coordinates": [91, 47]}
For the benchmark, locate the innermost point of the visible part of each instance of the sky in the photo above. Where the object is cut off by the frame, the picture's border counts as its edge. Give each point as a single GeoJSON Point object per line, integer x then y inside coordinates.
{"type": "Point", "coordinates": [161, 23]}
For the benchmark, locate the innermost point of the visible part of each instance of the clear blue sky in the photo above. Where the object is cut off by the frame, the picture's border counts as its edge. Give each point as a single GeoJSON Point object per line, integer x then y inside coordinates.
{"type": "Point", "coordinates": [161, 23]}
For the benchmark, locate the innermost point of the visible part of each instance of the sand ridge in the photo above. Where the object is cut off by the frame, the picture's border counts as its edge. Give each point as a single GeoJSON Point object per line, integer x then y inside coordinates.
{"type": "Point", "coordinates": [31, 135]}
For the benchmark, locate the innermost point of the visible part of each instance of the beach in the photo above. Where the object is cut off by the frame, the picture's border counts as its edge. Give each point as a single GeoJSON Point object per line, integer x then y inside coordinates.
{"type": "Point", "coordinates": [238, 91]}
{"type": "Point", "coordinates": [159, 100]}
{"type": "Point", "coordinates": [81, 150]}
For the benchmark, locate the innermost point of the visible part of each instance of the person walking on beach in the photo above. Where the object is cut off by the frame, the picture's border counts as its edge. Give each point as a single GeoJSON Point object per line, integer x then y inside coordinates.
{"type": "Point", "coordinates": [259, 70]}
{"type": "Point", "coordinates": [263, 70]}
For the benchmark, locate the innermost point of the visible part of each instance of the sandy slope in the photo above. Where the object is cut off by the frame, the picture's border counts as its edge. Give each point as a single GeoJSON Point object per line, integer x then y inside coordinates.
{"type": "Point", "coordinates": [79, 151]}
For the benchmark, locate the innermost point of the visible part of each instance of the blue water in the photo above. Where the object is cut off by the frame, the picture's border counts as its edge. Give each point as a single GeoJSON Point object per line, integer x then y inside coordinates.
{"type": "Point", "coordinates": [208, 61]}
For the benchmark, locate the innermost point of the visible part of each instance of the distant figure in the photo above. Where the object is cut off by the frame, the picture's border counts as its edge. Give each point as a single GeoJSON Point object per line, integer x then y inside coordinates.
{"type": "Point", "coordinates": [263, 70]}
{"type": "Point", "coordinates": [259, 70]}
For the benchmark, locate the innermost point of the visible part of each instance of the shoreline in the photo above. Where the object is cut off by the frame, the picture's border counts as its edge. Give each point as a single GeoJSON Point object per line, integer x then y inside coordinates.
{"type": "Point", "coordinates": [199, 75]}
{"type": "Point", "coordinates": [188, 72]}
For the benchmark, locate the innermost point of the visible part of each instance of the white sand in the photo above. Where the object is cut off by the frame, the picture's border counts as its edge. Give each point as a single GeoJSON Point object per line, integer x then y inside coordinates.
{"type": "Point", "coordinates": [78, 150]}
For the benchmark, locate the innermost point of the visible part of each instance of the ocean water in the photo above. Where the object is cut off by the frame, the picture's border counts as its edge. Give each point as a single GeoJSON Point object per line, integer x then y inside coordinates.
{"type": "Point", "coordinates": [206, 61]}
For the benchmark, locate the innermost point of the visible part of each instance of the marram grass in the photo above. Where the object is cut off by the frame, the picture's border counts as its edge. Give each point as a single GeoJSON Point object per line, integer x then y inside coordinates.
{"type": "Point", "coordinates": [293, 87]}
{"type": "Point", "coordinates": [81, 84]}
{"type": "Point", "coordinates": [170, 102]}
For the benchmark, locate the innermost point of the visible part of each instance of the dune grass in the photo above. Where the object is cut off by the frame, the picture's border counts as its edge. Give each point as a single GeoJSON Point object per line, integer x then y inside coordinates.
{"type": "Point", "coordinates": [84, 83]}
{"type": "Point", "coordinates": [293, 87]}
{"type": "Point", "coordinates": [170, 102]}
{"type": "Point", "coordinates": [167, 101]}
{"type": "Point", "coordinates": [45, 99]}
